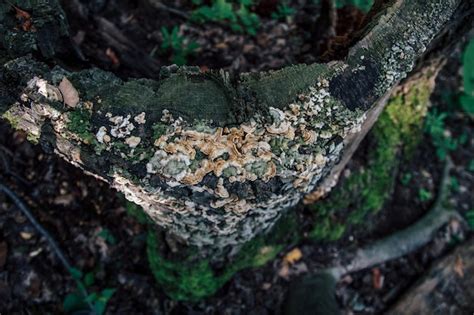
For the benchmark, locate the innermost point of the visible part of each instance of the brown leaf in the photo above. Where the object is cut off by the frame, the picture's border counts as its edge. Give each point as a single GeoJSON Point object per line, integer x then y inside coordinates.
{"type": "Point", "coordinates": [70, 94]}
{"type": "Point", "coordinates": [378, 278]}
{"type": "Point", "coordinates": [24, 18]}
{"type": "Point", "coordinates": [112, 56]}
{"type": "Point", "coordinates": [459, 266]}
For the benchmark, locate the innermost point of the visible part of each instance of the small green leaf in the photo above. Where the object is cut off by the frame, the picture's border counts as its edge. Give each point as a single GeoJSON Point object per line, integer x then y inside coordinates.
{"type": "Point", "coordinates": [470, 218]}
{"type": "Point", "coordinates": [74, 302]}
{"type": "Point", "coordinates": [89, 279]}
{"type": "Point", "coordinates": [76, 274]}
{"type": "Point", "coordinates": [470, 167]}
{"type": "Point", "coordinates": [424, 195]}
{"type": "Point", "coordinates": [107, 293]}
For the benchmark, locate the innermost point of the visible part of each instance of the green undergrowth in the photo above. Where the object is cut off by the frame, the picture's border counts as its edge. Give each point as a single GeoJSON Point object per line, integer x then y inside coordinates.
{"type": "Point", "coordinates": [190, 278]}
{"type": "Point", "coordinates": [394, 138]}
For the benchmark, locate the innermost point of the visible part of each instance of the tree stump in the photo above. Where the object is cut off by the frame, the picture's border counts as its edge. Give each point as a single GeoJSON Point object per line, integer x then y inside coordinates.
{"type": "Point", "coordinates": [213, 159]}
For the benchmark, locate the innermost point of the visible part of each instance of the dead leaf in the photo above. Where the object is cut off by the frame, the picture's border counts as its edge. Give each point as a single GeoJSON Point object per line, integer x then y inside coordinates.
{"type": "Point", "coordinates": [112, 56]}
{"type": "Point", "coordinates": [70, 94]}
{"type": "Point", "coordinates": [64, 200]}
{"type": "Point", "coordinates": [284, 271]}
{"type": "Point", "coordinates": [26, 235]}
{"type": "Point", "coordinates": [293, 256]}
{"type": "Point", "coordinates": [377, 278]}
{"type": "Point", "coordinates": [24, 18]}
{"type": "Point", "coordinates": [459, 266]}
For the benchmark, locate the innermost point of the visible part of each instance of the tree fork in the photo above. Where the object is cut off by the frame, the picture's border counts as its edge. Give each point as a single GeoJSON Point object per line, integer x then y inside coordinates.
{"type": "Point", "coordinates": [212, 158]}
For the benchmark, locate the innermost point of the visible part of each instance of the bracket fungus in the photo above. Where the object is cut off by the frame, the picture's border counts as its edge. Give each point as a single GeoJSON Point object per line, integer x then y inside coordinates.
{"type": "Point", "coordinates": [213, 159]}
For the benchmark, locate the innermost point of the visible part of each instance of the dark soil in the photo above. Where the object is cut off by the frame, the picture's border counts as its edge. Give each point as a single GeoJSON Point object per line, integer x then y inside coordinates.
{"type": "Point", "coordinates": [77, 209]}
{"type": "Point", "coordinates": [125, 36]}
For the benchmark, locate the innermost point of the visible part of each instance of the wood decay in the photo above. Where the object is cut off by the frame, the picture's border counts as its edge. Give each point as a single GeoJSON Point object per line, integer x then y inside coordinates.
{"type": "Point", "coordinates": [232, 153]}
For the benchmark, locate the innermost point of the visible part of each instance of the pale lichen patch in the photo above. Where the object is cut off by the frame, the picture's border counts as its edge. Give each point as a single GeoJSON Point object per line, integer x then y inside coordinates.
{"type": "Point", "coordinates": [133, 141]}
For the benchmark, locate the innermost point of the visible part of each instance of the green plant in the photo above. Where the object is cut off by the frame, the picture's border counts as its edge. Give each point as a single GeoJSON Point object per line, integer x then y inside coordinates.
{"type": "Point", "coordinates": [107, 236]}
{"type": "Point", "coordinates": [424, 195]}
{"type": "Point", "coordinates": [177, 45]}
{"type": "Point", "coordinates": [470, 167]}
{"type": "Point", "coordinates": [470, 218]}
{"type": "Point", "coordinates": [283, 11]}
{"type": "Point", "coordinates": [467, 98]}
{"type": "Point", "coordinates": [443, 141]}
{"type": "Point", "coordinates": [80, 300]}
{"type": "Point", "coordinates": [454, 185]}
{"type": "Point", "coordinates": [406, 178]}
{"type": "Point", "coordinates": [238, 14]}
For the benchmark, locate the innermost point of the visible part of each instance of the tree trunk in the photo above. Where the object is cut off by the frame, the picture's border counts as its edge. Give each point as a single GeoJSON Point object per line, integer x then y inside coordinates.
{"type": "Point", "coordinates": [212, 158]}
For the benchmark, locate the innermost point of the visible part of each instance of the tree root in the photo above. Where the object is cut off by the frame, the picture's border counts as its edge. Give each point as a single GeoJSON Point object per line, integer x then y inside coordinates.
{"type": "Point", "coordinates": [304, 292]}
{"type": "Point", "coordinates": [405, 241]}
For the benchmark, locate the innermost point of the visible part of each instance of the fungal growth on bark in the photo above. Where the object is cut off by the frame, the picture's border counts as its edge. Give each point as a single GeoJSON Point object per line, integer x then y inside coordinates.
{"type": "Point", "coordinates": [213, 158]}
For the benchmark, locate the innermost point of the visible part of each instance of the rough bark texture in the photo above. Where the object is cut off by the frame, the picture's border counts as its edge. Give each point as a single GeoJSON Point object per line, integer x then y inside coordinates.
{"type": "Point", "coordinates": [214, 159]}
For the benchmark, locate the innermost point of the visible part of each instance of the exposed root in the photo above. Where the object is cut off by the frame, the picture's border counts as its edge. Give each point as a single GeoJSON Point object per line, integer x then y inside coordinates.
{"type": "Point", "coordinates": [323, 282]}
{"type": "Point", "coordinates": [405, 241]}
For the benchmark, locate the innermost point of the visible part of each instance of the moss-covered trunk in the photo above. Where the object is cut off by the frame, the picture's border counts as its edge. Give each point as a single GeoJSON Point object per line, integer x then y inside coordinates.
{"type": "Point", "coordinates": [212, 158]}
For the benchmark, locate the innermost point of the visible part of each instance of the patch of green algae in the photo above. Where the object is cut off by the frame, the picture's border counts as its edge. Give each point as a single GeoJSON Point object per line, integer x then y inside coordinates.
{"type": "Point", "coordinates": [395, 136]}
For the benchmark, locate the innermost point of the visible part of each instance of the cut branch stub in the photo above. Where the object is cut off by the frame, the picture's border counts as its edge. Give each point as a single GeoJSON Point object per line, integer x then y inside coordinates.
{"type": "Point", "coordinates": [216, 159]}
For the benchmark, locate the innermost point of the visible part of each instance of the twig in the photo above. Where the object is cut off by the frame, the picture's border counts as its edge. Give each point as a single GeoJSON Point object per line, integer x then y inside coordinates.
{"type": "Point", "coordinates": [52, 243]}
{"type": "Point", "coordinates": [160, 6]}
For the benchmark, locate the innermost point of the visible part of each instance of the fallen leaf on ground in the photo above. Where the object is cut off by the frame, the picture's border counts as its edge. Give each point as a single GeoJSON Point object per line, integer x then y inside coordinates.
{"type": "Point", "coordinates": [70, 94]}
{"type": "Point", "coordinates": [378, 278]}
{"type": "Point", "coordinates": [284, 271]}
{"type": "Point", "coordinates": [64, 200]}
{"type": "Point", "coordinates": [459, 266]}
{"type": "Point", "coordinates": [26, 235]}
{"type": "Point", "coordinates": [293, 256]}
{"type": "Point", "coordinates": [24, 18]}
{"type": "Point", "coordinates": [112, 56]}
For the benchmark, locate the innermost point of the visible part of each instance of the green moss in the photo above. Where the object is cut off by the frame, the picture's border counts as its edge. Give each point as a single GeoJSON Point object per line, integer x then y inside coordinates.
{"type": "Point", "coordinates": [15, 122]}
{"type": "Point", "coordinates": [11, 119]}
{"type": "Point", "coordinates": [190, 277]}
{"type": "Point", "coordinates": [136, 212]}
{"type": "Point", "coordinates": [79, 123]}
{"type": "Point", "coordinates": [159, 129]}
{"type": "Point", "coordinates": [395, 136]}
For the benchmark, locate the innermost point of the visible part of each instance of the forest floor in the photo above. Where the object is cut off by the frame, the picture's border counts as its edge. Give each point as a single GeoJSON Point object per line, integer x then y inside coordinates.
{"type": "Point", "coordinates": [89, 220]}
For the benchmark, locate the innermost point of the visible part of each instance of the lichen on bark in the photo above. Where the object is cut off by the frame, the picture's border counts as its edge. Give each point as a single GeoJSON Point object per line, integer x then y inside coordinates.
{"type": "Point", "coordinates": [215, 159]}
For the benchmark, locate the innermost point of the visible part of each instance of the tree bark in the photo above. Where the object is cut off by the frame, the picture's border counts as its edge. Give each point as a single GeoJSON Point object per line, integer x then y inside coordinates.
{"type": "Point", "coordinates": [212, 158]}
